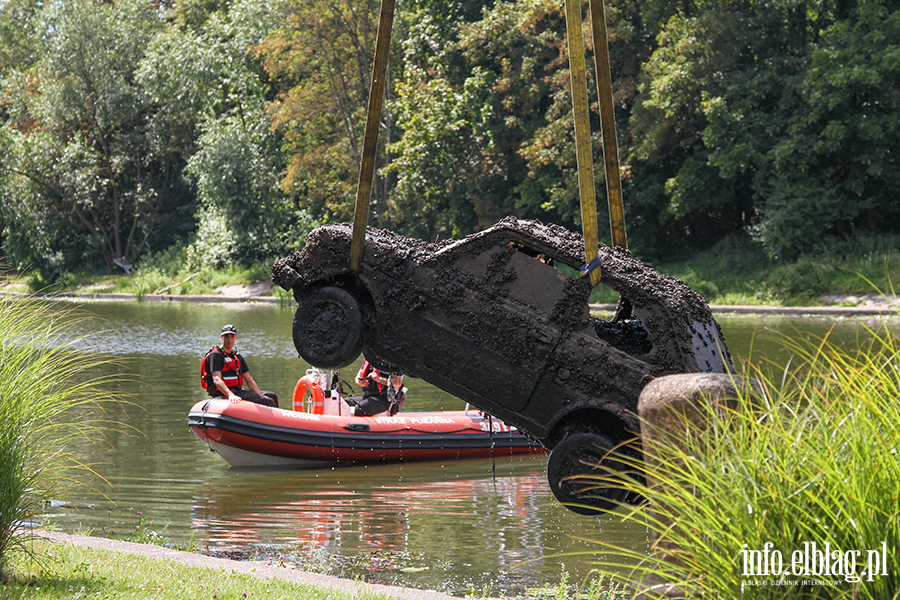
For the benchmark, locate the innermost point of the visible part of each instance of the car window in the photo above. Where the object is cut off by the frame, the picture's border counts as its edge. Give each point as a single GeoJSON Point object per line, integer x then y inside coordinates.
{"type": "Point", "coordinates": [536, 283]}
{"type": "Point", "coordinates": [519, 273]}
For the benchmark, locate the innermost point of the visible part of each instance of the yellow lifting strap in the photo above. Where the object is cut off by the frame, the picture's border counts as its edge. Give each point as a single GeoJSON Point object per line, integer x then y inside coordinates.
{"type": "Point", "coordinates": [608, 125]}
{"type": "Point", "coordinates": [583, 151]}
{"type": "Point", "coordinates": [583, 154]}
{"type": "Point", "coordinates": [370, 141]}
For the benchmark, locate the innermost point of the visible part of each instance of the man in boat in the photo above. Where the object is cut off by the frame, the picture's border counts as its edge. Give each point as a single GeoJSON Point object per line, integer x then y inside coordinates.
{"type": "Point", "coordinates": [380, 393]}
{"type": "Point", "coordinates": [228, 371]}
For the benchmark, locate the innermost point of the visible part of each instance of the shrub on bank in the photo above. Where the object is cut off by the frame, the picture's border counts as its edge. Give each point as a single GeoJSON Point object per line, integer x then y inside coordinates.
{"type": "Point", "coordinates": [152, 279]}
{"type": "Point", "coordinates": [737, 271]}
{"type": "Point", "coordinates": [792, 496]}
{"type": "Point", "coordinates": [47, 398]}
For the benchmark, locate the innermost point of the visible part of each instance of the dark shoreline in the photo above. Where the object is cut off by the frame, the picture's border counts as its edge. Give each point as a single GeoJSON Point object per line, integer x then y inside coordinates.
{"type": "Point", "coordinates": [749, 309]}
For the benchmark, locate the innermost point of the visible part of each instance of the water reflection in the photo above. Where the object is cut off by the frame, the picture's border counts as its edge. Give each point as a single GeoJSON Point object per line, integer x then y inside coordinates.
{"type": "Point", "coordinates": [184, 329]}
{"type": "Point", "coordinates": [458, 532]}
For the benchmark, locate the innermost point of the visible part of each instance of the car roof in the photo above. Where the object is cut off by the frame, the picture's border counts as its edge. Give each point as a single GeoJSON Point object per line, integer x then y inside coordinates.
{"type": "Point", "coordinates": [553, 241]}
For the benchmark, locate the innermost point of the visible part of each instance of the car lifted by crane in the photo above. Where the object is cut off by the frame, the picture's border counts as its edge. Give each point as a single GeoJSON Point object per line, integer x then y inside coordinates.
{"type": "Point", "coordinates": [501, 318]}
{"type": "Point", "coordinates": [492, 320]}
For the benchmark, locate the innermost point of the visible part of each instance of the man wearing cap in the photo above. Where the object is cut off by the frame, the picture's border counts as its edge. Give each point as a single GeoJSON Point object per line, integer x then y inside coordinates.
{"type": "Point", "coordinates": [229, 371]}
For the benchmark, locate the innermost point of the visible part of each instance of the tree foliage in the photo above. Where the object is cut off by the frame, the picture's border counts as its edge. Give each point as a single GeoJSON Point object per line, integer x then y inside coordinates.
{"type": "Point", "coordinates": [750, 117]}
{"type": "Point", "coordinates": [235, 125]}
{"type": "Point", "coordinates": [836, 168]}
{"type": "Point", "coordinates": [321, 57]}
{"type": "Point", "coordinates": [88, 178]}
{"type": "Point", "coordinates": [205, 78]}
{"type": "Point", "coordinates": [466, 109]}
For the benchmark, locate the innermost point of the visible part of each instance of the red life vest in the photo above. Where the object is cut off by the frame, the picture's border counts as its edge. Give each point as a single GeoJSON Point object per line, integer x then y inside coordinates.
{"type": "Point", "coordinates": [231, 371]}
{"type": "Point", "coordinates": [374, 388]}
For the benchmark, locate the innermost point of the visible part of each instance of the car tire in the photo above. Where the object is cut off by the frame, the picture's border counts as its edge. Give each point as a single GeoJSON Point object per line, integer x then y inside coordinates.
{"type": "Point", "coordinates": [574, 462]}
{"type": "Point", "coordinates": [328, 327]}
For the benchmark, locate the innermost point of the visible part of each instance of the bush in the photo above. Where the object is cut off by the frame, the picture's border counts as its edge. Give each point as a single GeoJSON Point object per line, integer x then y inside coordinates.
{"type": "Point", "coordinates": [803, 281]}
{"type": "Point", "coordinates": [815, 462]}
{"type": "Point", "coordinates": [44, 384]}
{"type": "Point", "coordinates": [705, 288]}
{"type": "Point", "coordinates": [143, 281]}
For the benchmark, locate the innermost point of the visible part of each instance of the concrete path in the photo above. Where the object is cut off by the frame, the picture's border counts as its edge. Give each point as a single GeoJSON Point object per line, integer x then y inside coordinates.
{"type": "Point", "coordinates": [254, 569]}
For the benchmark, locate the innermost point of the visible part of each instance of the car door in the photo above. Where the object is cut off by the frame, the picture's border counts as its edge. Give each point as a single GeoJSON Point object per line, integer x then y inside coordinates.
{"type": "Point", "coordinates": [484, 331]}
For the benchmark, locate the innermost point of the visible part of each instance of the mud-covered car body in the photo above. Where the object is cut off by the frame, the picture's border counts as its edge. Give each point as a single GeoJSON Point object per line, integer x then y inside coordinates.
{"type": "Point", "coordinates": [492, 320]}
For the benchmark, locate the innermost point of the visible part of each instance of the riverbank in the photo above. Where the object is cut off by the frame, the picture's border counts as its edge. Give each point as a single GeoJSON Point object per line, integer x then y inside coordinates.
{"type": "Point", "coordinates": [733, 278]}
{"type": "Point", "coordinates": [832, 305]}
{"type": "Point", "coordinates": [352, 589]}
{"type": "Point", "coordinates": [97, 567]}
{"type": "Point", "coordinates": [736, 272]}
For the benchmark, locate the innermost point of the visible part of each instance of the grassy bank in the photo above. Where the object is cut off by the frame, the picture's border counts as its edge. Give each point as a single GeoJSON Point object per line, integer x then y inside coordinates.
{"type": "Point", "coordinates": [67, 572]}
{"type": "Point", "coordinates": [48, 399]}
{"type": "Point", "coordinates": [735, 271]}
{"type": "Point", "coordinates": [789, 494]}
{"type": "Point", "coordinates": [62, 571]}
{"type": "Point", "coordinates": [145, 280]}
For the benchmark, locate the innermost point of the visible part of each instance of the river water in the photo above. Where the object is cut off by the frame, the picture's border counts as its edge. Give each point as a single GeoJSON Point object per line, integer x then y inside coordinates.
{"type": "Point", "coordinates": [457, 527]}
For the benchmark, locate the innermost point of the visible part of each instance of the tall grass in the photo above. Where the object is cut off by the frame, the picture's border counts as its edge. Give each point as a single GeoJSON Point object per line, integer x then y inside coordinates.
{"type": "Point", "coordinates": [151, 279]}
{"type": "Point", "coordinates": [749, 506]}
{"type": "Point", "coordinates": [47, 398]}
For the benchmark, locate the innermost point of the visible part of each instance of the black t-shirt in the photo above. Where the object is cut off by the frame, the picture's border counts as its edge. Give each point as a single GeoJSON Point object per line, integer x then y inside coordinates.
{"type": "Point", "coordinates": [236, 365]}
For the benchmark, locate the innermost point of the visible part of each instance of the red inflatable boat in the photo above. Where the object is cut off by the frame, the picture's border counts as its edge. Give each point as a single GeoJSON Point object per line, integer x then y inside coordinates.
{"type": "Point", "coordinates": [322, 429]}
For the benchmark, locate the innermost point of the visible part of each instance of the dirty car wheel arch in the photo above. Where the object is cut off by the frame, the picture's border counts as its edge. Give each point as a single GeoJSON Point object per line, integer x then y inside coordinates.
{"type": "Point", "coordinates": [592, 419]}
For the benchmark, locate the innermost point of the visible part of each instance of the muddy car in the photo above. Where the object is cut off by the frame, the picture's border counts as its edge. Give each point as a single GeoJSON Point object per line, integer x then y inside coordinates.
{"type": "Point", "coordinates": [501, 319]}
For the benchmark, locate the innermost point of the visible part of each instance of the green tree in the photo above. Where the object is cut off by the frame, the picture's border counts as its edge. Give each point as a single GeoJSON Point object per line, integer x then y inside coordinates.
{"type": "Point", "coordinates": [550, 190]}
{"type": "Point", "coordinates": [836, 168]}
{"type": "Point", "coordinates": [321, 60]}
{"type": "Point", "coordinates": [193, 14]}
{"type": "Point", "coordinates": [717, 89]}
{"type": "Point", "coordinates": [212, 90]}
{"type": "Point", "coordinates": [472, 96]}
{"type": "Point", "coordinates": [778, 119]}
{"type": "Point", "coordinates": [236, 168]}
{"type": "Point", "coordinates": [18, 35]}
{"type": "Point", "coordinates": [88, 178]}
{"type": "Point", "coordinates": [486, 115]}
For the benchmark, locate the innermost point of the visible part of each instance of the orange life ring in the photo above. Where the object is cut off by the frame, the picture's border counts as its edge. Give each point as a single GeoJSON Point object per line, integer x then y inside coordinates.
{"type": "Point", "coordinates": [308, 395]}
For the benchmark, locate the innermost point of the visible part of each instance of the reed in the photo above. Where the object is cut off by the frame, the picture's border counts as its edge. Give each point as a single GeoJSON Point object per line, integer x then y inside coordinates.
{"type": "Point", "coordinates": [795, 495]}
{"type": "Point", "coordinates": [48, 398]}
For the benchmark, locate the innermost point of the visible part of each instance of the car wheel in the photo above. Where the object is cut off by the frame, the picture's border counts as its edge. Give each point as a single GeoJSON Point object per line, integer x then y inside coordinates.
{"type": "Point", "coordinates": [578, 470]}
{"type": "Point", "coordinates": [328, 327]}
